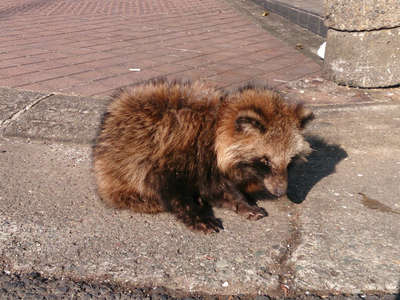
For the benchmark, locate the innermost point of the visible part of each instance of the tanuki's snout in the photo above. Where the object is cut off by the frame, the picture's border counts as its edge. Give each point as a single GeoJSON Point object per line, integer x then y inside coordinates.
{"type": "Point", "coordinates": [277, 184]}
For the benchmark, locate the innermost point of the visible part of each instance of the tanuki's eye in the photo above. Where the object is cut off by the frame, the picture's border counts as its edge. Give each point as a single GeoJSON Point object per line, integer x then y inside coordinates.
{"type": "Point", "coordinates": [298, 158]}
{"type": "Point", "coordinates": [265, 161]}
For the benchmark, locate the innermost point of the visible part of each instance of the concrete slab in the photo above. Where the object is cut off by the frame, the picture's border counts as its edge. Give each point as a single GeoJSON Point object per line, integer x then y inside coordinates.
{"type": "Point", "coordinates": [354, 15]}
{"type": "Point", "coordinates": [13, 101]}
{"type": "Point", "coordinates": [363, 59]}
{"type": "Point", "coordinates": [60, 118]}
{"type": "Point", "coordinates": [327, 239]}
{"type": "Point", "coordinates": [52, 222]}
{"type": "Point", "coordinates": [350, 243]}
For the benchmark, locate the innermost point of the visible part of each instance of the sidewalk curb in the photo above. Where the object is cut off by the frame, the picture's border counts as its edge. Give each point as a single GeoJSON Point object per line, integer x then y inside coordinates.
{"type": "Point", "coordinates": [306, 19]}
{"type": "Point", "coordinates": [74, 119]}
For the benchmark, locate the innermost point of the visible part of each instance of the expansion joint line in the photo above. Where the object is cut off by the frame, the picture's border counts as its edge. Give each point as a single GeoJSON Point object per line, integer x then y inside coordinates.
{"type": "Point", "coordinates": [287, 272]}
{"type": "Point", "coordinates": [16, 115]}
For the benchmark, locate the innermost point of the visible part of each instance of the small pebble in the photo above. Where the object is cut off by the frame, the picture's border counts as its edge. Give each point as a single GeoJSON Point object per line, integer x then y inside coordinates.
{"type": "Point", "coordinates": [299, 46]}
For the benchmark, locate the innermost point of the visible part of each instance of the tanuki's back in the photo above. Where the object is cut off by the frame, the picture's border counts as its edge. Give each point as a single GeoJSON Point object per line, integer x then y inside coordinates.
{"type": "Point", "coordinates": [152, 127]}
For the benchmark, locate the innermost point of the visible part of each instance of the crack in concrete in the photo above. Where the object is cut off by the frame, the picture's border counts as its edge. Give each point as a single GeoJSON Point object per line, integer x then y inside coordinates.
{"type": "Point", "coordinates": [286, 271]}
{"type": "Point", "coordinates": [15, 116]}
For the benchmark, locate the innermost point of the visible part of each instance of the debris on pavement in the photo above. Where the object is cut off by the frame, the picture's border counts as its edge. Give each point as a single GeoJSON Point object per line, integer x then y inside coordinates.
{"type": "Point", "coordinates": [321, 50]}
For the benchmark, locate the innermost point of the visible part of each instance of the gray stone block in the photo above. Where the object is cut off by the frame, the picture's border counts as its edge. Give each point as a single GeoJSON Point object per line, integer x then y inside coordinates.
{"type": "Point", "coordinates": [60, 118]}
{"type": "Point", "coordinates": [13, 101]}
{"type": "Point", "coordinates": [356, 15]}
{"type": "Point", "coordinates": [363, 59]}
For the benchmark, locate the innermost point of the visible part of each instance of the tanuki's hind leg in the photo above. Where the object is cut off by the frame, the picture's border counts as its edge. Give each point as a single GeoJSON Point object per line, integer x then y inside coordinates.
{"type": "Point", "coordinates": [125, 199]}
{"type": "Point", "coordinates": [176, 196]}
{"type": "Point", "coordinates": [195, 215]}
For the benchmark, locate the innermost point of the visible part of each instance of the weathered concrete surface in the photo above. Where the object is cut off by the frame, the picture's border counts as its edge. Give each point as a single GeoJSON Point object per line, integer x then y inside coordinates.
{"type": "Point", "coordinates": [356, 15]}
{"type": "Point", "coordinates": [363, 42]}
{"type": "Point", "coordinates": [349, 243]}
{"type": "Point", "coordinates": [363, 59]}
{"type": "Point", "coordinates": [61, 118]}
{"type": "Point", "coordinates": [52, 222]}
{"type": "Point", "coordinates": [13, 101]}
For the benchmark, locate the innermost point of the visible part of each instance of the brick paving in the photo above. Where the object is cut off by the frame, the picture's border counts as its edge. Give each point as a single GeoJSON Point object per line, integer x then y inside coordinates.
{"type": "Point", "coordinates": [88, 47]}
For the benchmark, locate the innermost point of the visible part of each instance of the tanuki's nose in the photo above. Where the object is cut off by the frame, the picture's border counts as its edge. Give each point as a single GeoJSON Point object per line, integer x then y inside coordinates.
{"type": "Point", "coordinates": [279, 190]}
{"type": "Point", "coordinates": [277, 184]}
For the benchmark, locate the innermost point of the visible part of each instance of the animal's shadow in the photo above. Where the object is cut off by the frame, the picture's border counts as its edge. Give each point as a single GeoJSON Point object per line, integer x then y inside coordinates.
{"type": "Point", "coordinates": [398, 294]}
{"type": "Point", "coordinates": [320, 163]}
{"type": "Point", "coordinates": [302, 176]}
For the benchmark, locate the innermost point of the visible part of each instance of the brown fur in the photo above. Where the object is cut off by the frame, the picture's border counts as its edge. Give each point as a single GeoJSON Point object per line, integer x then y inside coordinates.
{"type": "Point", "coordinates": [182, 148]}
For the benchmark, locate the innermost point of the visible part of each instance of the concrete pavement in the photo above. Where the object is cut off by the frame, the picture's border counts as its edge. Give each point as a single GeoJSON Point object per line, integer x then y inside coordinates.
{"type": "Point", "coordinates": [57, 238]}
{"type": "Point", "coordinates": [323, 239]}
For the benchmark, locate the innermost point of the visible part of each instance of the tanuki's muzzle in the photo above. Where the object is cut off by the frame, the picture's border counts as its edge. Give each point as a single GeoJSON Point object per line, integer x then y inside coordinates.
{"type": "Point", "coordinates": [276, 184]}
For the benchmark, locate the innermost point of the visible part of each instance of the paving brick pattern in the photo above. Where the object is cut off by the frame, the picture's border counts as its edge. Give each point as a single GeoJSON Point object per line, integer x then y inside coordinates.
{"type": "Point", "coordinates": [89, 47]}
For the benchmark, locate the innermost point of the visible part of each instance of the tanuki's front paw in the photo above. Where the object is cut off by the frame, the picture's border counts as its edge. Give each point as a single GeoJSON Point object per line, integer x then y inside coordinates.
{"type": "Point", "coordinates": [206, 225]}
{"type": "Point", "coordinates": [252, 212]}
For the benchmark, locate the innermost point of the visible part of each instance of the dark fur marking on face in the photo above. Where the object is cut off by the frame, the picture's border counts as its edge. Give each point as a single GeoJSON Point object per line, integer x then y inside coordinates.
{"type": "Point", "coordinates": [243, 122]}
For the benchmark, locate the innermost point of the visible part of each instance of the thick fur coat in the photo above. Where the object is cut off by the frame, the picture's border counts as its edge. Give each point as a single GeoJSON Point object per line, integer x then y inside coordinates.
{"type": "Point", "coordinates": [185, 147]}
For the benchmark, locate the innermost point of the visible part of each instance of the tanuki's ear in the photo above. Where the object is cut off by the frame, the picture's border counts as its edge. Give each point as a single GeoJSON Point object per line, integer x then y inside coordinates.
{"type": "Point", "coordinates": [249, 121]}
{"type": "Point", "coordinates": [304, 115]}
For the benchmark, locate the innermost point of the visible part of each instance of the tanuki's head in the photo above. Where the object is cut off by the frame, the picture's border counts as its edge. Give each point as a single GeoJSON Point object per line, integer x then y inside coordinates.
{"type": "Point", "coordinates": [258, 135]}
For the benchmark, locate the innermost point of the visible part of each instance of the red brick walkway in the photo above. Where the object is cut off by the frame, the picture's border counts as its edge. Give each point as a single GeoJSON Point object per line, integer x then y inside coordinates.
{"type": "Point", "coordinates": [87, 47]}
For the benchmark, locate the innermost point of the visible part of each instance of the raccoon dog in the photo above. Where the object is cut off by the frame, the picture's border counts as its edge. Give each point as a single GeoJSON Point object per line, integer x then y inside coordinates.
{"type": "Point", "coordinates": [185, 147]}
